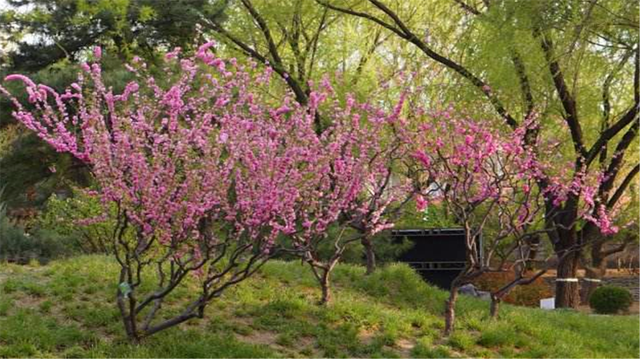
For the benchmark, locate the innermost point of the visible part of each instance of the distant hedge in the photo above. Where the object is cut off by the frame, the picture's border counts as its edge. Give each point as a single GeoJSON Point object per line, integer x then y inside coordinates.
{"type": "Point", "coordinates": [610, 300]}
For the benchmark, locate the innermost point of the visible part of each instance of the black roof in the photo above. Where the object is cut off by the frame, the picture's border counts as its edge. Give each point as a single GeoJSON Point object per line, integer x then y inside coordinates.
{"type": "Point", "coordinates": [427, 231]}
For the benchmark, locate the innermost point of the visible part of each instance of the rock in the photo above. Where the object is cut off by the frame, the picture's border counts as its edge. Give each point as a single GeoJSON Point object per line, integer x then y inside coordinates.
{"type": "Point", "coordinates": [468, 289]}
{"type": "Point", "coordinates": [484, 295]}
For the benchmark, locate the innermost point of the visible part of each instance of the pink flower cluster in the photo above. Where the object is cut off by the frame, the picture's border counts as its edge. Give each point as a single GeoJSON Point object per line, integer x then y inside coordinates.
{"type": "Point", "coordinates": [472, 163]}
{"type": "Point", "coordinates": [207, 144]}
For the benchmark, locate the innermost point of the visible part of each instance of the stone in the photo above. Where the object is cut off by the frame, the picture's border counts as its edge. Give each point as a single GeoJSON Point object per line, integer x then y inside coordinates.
{"type": "Point", "coordinates": [468, 289]}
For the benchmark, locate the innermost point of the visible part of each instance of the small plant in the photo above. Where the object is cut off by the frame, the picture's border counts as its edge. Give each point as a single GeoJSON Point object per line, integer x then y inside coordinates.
{"type": "Point", "coordinates": [461, 341]}
{"type": "Point", "coordinates": [610, 300]}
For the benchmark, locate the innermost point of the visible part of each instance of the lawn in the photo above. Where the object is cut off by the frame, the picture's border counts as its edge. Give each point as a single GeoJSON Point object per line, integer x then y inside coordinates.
{"type": "Point", "coordinates": [66, 309]}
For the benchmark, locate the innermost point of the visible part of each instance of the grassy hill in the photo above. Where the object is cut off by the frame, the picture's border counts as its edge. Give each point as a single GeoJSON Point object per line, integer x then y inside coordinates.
{"type": "Point", "coordinates": [66, 309]}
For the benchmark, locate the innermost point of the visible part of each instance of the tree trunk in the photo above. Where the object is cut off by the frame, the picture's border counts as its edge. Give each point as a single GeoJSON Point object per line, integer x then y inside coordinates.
{"type": "Point", "coordinates": [593, 273]}
{"type": "Point", "coordinates": [495, 306]}
{"type": "Point", "coordinates": [590, 284]}
{"type": "Point", "coordinates": [326, 289]}
{"type": "Point", "coordinates": [533, 252]}
{"type": "Point", "coordinates": [371, 256]}
{"type": "Point", "coordinates": [450, 311]}
{"type": "Point", "coordinates": [567, 295]}
{"type": "Point", "coordinates": [128, 319]}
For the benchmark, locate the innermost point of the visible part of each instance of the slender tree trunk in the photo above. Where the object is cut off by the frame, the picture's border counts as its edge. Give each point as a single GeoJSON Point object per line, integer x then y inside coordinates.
{"type": "Point", "coordinates": [371, 256]}
{"type": "Point", "coordinates": [326, 289]}
{"type": "Point", "coordinates": [495, 306]}
{"type": "Point", "coordinates": [450, 310]}
{"type": "Point", "coordinates": [567, 295]}
{"type": "Point", "coordinates": [533, 252]}
{"type": "Point", "coordinates": [126, 304]}
{"type": "Point", "coordinates": [128, 319]}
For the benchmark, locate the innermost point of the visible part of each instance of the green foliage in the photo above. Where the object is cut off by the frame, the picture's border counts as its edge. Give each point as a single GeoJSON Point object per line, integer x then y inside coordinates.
{"type": "Point", "coordinates": [610, 300]}
{"type": "Point", "coordinates": [389, 249]}
{"type": "Point", "coordinates": [25, 171]}
{"type": "Point", "coordinates": [62, 215]}
{"type": "Point", "coordinates": [461, 341]}
{"type": "Point", "coordinates": [426, 349]}
{"type": "Point", "coordinates": [386, 248]}
{"type": "Point", "coordinates": [127, 27]}
{"type": "Point", "coordinates": [17, 246]}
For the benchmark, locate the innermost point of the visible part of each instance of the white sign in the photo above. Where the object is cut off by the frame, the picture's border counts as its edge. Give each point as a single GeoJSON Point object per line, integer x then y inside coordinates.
{"type": "Point", "coordinates": [548, 303]}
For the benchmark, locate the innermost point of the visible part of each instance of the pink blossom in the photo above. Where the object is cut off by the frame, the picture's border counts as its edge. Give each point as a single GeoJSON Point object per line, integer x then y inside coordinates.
{"type": "Point", "coordinates": [97, 52]}
{"type": "Point", "coordinates": [421, 203]}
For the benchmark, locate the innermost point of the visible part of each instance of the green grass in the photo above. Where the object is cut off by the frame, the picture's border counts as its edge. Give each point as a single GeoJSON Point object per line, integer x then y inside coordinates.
{"type": "Point", "coordinates": [66, 309]}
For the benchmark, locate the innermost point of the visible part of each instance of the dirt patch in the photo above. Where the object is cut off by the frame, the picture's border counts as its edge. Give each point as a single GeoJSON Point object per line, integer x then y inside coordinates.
{"type": "Point", "coordinates": [366, 336]}
{"type": "Point", "coordinates": [404, 347]}
{"type": "Point", "coordinates": [268, 338]}
{"type": "Point", "coordinates": [28, 301]}
{"type": "Point", "coordinates": [261, 338]}
{"type": "Point", "coordinates": [242, 320]}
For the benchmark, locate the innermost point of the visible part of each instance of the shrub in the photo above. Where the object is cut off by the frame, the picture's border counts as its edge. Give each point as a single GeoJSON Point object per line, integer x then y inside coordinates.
{"type": "Point", "coordinates": [73, 218]}
{"type": "Point", "coordinates": [610, 300]}
{"type": "Point", "coordinates": [18, 246]}
{"type": "Point", "coordinates": [526, 295]}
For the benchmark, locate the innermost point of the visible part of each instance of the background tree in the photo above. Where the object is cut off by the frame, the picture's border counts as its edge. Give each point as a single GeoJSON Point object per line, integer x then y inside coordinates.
{"type": "Point", "coordinates": [46, 39]}
{"type": "Point", "coordinates": [597, 254]}
{"type": "Point", "coordinates": [301, 42]}
{"type": "Point", "coordinates": [549, 54]}
{"type": "Point", "coordinates": [480, 174]}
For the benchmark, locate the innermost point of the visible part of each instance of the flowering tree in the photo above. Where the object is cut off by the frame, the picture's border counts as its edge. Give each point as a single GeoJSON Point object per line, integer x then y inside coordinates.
{"type": "Point", "coordinates": [483, 176]}
{"type": "Point", "coordinates": [353, 184]}
{"type": "Point", "coordinates": [204, 170]}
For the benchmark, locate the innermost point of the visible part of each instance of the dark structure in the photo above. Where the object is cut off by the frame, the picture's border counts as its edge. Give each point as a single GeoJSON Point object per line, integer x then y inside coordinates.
{"type": "Point", "coordinates": [438, 254]}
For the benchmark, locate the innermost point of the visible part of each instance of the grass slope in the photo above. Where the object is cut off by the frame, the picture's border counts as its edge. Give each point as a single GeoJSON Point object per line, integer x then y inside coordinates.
{"type": "Point", "coordinates": [66, 309]}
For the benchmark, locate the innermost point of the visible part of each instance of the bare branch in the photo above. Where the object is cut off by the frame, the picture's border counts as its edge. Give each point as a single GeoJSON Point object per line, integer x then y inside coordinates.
{"type": "Point", "coordinates": [567, 100]}
{"type": "Point", "coordinates": [623, 187]}
{"type": "Point", "coordinates": [468, 8]}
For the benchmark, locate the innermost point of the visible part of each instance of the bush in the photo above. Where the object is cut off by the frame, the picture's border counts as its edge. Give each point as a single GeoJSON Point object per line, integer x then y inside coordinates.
{"type": "Point", "coordinates": [62, 216]}
{"type": "Point", "coordinates": [20, 247]}
{"type": "Point", "coordinates": [16, 245]}
{"type": "Point", "coordinates": [526, 295]}
{"type": "Point", "coordinates": [610, 300]}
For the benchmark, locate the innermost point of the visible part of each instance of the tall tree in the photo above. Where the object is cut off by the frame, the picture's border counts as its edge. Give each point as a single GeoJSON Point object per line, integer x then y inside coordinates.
{"type": "Point", "coordinates": [549, 53]}
{"type": "Point", "coordinates": [46, 39]}
{"type": "Point", "coordinates": [301, 42]}
{"type": "Point", "coordinates": [43, 32]}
